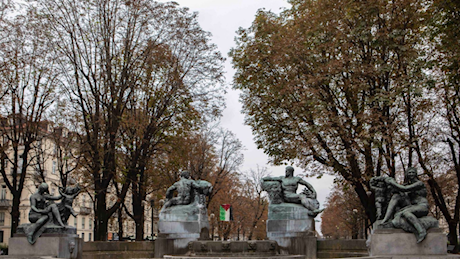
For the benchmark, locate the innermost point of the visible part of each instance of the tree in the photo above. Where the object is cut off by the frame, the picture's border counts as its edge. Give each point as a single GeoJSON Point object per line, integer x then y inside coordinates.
{"type": "Point", "coordinates": [181, 90]}
{"type": "Point", "coordinates": [445, 17]}
{"type": "Point", "coordinates": [325, 82]}
{"type": "Point", "coordinates": [256, 203]}
{"type": "Point", "coordinates": [28, 79]}
{"type": "Point", "coordinates": [344, 216]}
{"type": "Point", "coordinates": [139, 60]}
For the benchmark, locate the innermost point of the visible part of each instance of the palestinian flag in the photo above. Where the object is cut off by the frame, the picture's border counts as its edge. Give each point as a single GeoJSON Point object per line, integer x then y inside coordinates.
{"type": "Point", "coordinates": [226, 212]}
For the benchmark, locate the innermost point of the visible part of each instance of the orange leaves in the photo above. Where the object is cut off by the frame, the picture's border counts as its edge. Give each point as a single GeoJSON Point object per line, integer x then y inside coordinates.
{"type": "Point", "coordinates": [325, 81]}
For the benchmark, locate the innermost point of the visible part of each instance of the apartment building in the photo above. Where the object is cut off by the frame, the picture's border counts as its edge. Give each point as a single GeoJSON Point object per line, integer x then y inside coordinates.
{"type": "Point", "coordinates": [151, 217]}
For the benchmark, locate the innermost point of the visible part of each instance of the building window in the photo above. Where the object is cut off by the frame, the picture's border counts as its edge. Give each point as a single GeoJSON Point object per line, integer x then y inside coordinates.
{"type": "Point", "coordinates": [2, 218]}
{"type": "Point", "coordinates": [1, 236]}
{"type": "Point", "coordinates": [83, 220]}
{"type": "Point", "coordinates": [90, 223]}
{"type": "Point", "coordinates": [53, 170]}
{"type": "Point", "coordinates": [89, 237]}
{"type": "Point", "coordinates": [3, 193]}
{"type": "Point", "coordinates": [56, 149]}
{"type": "Point", "coordinates": [75, 221]}
{"type": "Point", "coordinates": [83, 236]}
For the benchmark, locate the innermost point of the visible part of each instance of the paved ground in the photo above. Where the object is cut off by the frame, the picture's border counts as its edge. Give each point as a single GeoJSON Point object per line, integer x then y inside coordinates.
{"type": "Point", "coordinates": [447, 256]}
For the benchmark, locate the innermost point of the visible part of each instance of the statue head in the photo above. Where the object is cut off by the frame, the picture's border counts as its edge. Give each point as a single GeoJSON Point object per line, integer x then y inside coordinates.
{"type": "Point", "coordinates": [43, 187]}
{"type": "Point", "coordinates": [72, 190]}
{"type": "Point", "coordinates": [411, 173]}
{"type": "Point", "coordinates": [289, 171]}
{"type": "Point", "coordinates": [185, 174]}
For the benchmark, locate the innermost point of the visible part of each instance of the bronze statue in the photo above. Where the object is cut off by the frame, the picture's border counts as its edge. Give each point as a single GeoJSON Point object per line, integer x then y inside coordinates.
{"type": "Point", "coordinates": [190, 199]}
{"type": "Point", "coordinates": [65, 206]}
{"type": "Point", "coordinates": [287, 192]}
{"type": "Point", "coordinates": [187, 212]}
{"type": "Point", "coordinates": [408, 207]}
{"type": "Point", "coordinates": [44, 213]}
{"type": "Point", "coordinates": [185, 188]}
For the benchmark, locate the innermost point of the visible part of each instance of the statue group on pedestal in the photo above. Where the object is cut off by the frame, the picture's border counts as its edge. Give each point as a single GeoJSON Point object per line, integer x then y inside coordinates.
{"type": "Point", "coordinates": [188, 191]}
{"type": "Point", "coordinates": [402, 206]}
{"type": "Point", "coordinates": [283, 190]}
{"type": "Point", "coordinates": [188, 206]}
{"type": "Point", "coordinates": [44, 213]}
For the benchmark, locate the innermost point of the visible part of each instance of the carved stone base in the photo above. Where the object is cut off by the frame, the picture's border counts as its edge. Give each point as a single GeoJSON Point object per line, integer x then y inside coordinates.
{"type": "Point", "coordinates": [178, 229]}
{"type": "Point", "coordinates": [287, 211]}
{"type": "Point", "coordinates": [52, 245]}
{"type": "Point", "coordinates": [191, 212]}
{"type": "Point", "coordinates": [174, 236]}
{"type": "Point", "coordinates": [290, 226]}
{"type": "Point", "coordinates": [397, 242]}
{"type": "Point", "coordinates": [51, 229]}
{"type": "Point", "coordinates": [302, 243]}
{"type": "Point", "coordinates": [217, 249]}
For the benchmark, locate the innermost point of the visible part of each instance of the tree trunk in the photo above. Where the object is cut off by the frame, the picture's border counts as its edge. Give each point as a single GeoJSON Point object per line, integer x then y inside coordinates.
{"type": "Point", "coordinates": [120, 223]}
{"type": "Point", "coordinates": [251, 232]}
{"type": "Point", "coordinates": [452, 236]}
{"type": "Point", "coordinates": [140, 228]}
{"type": "Point", "coordinates": [366, 201]}
{"type": "Point", "coordinates": [138, 212]}
{"type": "Point", "coordinates": [15, 214]}
{"type": "Point", "coordinates": [101, 227]}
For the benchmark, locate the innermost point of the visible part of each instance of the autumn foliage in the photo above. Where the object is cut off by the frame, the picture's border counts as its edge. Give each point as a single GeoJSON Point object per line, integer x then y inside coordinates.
{"type": "Point", "coordinates": [344, 216]}
{"type": "Point", "coordinates": [358, 88]}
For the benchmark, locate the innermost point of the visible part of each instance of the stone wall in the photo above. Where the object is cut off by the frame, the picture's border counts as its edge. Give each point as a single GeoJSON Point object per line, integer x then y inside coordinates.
{"type": "Point", "coordinates": [341, 248]}
{"type": "Point", "coordinates": [118, 249]}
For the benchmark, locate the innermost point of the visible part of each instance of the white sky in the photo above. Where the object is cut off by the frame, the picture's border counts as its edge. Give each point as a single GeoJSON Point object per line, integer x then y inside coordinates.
{"type": "Point", "coordinates": [223, 18]}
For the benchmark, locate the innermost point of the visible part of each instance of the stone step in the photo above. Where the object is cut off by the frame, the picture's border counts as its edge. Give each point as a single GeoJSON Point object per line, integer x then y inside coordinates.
{"type": "Point", "coordinates": [328, 254]}
{"type": "Point", "coordinates": [234, 256]}
{"type": "Point", "coordinates": [265, 247]}
{"type": "Point", "coordinates": [117, 254]}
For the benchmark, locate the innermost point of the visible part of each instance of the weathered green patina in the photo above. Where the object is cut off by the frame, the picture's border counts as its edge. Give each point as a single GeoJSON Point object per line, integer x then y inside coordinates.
{"type": "Point", "coordinates": [44, 214]}
{"type": "Point", "coordinates": [285, 203]}
{"type": "Point", "coordinates": [405, 206]}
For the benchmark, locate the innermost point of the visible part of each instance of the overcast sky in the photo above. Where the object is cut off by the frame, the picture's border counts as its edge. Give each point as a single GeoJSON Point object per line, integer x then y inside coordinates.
{"type": "Point", "coordinates": [223, 18]}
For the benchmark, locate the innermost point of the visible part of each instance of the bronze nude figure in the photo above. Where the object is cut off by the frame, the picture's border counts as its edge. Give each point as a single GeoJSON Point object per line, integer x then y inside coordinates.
{"type": "Point", "coordinates": [405, 205]}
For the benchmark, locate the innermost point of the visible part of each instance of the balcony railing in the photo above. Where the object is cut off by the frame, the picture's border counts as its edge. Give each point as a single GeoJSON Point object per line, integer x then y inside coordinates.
{"type": "Point", "coordinates": [85, 210]}
{"type": "Point", "coordinates": [4, 203]}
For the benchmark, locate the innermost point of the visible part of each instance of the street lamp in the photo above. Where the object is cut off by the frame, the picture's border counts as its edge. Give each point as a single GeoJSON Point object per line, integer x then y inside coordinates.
{"type": "Point", "coordinates": [152, 205]}
{"type": "Point", "coordinates": [212, 226]}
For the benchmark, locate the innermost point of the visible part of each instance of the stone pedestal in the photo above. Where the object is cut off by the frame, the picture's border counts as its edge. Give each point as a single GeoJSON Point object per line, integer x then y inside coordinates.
{"type": "Point", "coordinates": [290, 226]}
{"type": "Point", "coordinates": [175, 236]}
{"type": "Point", "coordinates": [178, 226]}
{"type": "Point", "coordinates": [397, 242]}
{"type": "Point", "coordinates": [235, 249]}
{"type": "Point", "coordinates": [55, 242]}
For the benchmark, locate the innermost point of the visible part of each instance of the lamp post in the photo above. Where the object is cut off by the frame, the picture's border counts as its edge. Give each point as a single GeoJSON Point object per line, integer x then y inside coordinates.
{"type": "Point", "coordinates": [212, 226]}
{"type": "Point", "coordinates": [238, 238]}
{"type": "Point", "coordinates": [152, 205]}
